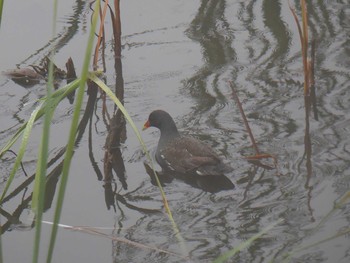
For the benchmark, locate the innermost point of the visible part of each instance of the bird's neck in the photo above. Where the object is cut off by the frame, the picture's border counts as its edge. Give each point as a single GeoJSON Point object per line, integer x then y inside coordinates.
{"type": "Point", "coordinates": [168, 133]}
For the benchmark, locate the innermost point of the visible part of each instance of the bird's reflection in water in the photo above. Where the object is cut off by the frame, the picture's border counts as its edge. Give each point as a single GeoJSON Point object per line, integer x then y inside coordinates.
{"type": "Point", "coordinates": [207, 183]}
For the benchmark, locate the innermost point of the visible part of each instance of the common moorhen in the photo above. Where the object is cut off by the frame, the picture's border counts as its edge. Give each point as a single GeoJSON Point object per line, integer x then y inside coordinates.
{"type": "Point", "coordinates": [183, 154]}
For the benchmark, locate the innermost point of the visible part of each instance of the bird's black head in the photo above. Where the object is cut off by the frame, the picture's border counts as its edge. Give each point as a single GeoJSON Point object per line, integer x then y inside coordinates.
{"type": "Point", "coordinates": [161, 120]}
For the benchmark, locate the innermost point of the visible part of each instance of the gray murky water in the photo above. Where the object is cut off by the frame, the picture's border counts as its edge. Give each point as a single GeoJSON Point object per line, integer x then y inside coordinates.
{"type": "Point", "coordinates": [179, 56]}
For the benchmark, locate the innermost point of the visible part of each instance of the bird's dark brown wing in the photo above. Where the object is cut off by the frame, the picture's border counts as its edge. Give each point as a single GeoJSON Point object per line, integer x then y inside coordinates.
{"type": "Point", "coordinates": [186, 154]}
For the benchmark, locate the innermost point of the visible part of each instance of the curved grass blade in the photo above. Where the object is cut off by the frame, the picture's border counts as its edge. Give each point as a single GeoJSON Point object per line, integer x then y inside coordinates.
{"type": "Point", "coordinates": [26, 128]}
{"type": "Point", "coordinates": [59, 95]}
{"type": "Point", "coordinates": [23, 146]}
{"type": "Point", "coordinates": [106, 89]}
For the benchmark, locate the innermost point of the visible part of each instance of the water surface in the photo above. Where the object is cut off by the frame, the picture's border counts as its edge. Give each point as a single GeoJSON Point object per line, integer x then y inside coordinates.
{"type": "Point", "coordinates": [180, 56]}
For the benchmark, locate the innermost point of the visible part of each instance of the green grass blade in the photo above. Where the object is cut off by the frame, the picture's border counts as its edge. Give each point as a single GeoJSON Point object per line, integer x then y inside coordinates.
{"type": "Point", "coordinates": [26, 128]}
{"type": "Point", "coordinates": [40, 176]}
{"type": "Point", "coordinates": [22, 149]}
{"type": "Point", "coordinates": [245, 244]}
{"type": "Point", "coordinates": [108, 91]}
{"type": "Point", "coordinates": [343, 200]}
{"type": "Point", "coordinates": [1, 7]}
{"type": "Point", "coordinates": [63, 92]}
{"type": "Point", "coordinates": [72, 134]}
{"type": "Point", "coordinates": [41, 163]}
{"type": "Point", "coordinates": [39, 184]}
{"type": "Point", "coordinates": [58, 95]}
{"type": "Point", "coordinates": [45, 106]}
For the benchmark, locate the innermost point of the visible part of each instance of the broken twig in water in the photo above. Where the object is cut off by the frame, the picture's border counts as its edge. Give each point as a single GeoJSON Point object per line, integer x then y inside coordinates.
{"type": "Point", "coordinates": [258, 155]}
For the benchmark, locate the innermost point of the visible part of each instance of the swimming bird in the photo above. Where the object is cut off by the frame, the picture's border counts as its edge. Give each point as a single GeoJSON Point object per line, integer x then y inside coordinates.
{"type": "Point", "coordinates": [183, 154]}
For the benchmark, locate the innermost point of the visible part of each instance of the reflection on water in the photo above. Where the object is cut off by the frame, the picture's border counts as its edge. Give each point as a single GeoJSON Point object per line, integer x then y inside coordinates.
{"type": "Point", "coordinates": [208, 183]}
{"type": "Point", "coordinates": [182, 58]}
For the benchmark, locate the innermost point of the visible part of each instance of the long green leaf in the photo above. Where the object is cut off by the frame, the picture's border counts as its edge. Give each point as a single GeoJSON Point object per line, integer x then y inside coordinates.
{"type": "Point", "coordinates": [40, 182]}
{"type": "Point", "coordinates": [121, 107]}
{"type": "Point", "coordinates": [22, 149]}
{"type": "Point", "coordinates": [26, 128]}
{"type": "Point", "coordinates": [72, 133]}
{"type": "Point", "coordinates": [1, 6]}
{"type": "Point", "coordinates": [108, 91]}
{"type": "Point", "coordinates": [58, 95]}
